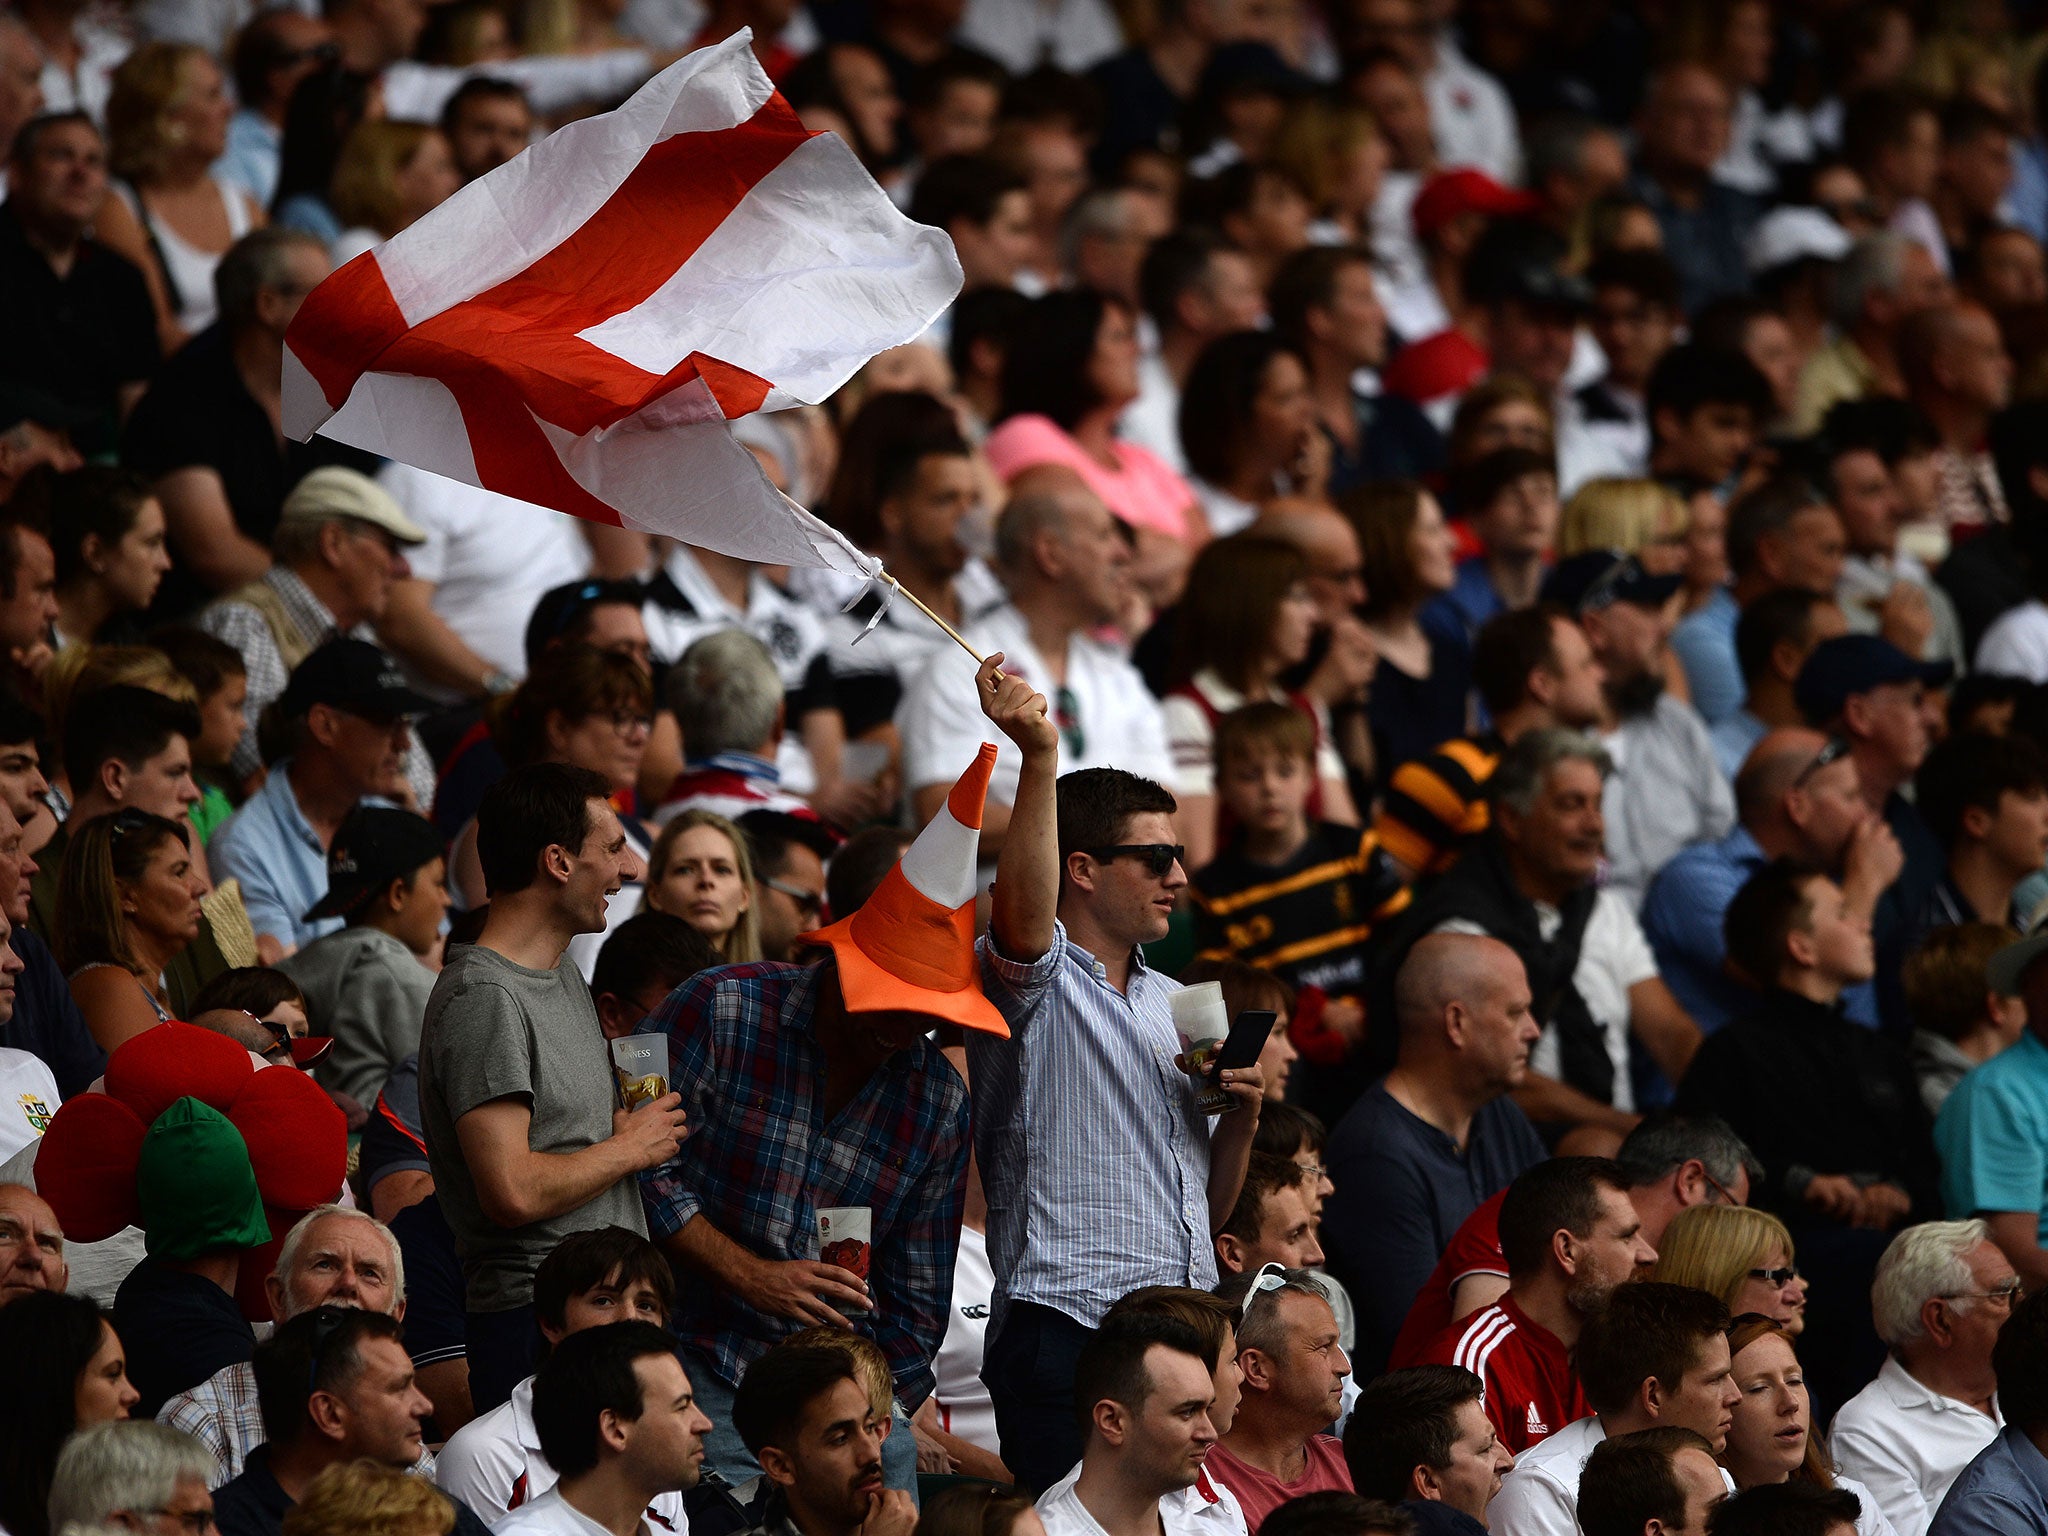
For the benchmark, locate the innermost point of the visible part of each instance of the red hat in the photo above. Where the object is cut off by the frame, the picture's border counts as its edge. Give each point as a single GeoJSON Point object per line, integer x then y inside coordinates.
{"type": "Point", "coordinates": [153, 1070]}
{"type": "Point", "coordinates": [910, 948]}
{"type": "Point", "coordinates": [297, 1137]}
{"type": "Point", "coordinates": [85, 1166]}
{"type": "Point", "coordinates": [1451, 194]}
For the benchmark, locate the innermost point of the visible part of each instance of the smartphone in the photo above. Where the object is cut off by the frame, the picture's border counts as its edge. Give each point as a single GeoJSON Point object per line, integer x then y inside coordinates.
{"type": "Point", "coordinates": [1247, 1038]}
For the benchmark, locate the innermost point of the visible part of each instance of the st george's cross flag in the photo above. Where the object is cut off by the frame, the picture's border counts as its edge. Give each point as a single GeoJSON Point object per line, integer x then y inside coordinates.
{"type": "Point", "coordinates": [576, 328]}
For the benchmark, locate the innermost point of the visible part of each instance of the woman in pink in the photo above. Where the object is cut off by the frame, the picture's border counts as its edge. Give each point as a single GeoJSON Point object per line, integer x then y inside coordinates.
{"type": "Point", "coordinates": [1071, 370]}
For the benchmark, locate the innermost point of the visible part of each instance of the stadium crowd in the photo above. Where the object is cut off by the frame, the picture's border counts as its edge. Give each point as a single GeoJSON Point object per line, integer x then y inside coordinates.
{"type": "Point", "coordinates": [1510, 544]}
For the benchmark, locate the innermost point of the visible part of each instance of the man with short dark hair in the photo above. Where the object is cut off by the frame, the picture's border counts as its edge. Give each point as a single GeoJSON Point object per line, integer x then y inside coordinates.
{"type": "Point", "coordinates": [982, 204]}
{"type": "Point", "coordinates": [1655, 1357]}
{"type": "Point", "coordinates": [2004, 1492]}
{"type": "Point", "coordinates": [487, 122]}
{"type": "Point", "coordinates": [1773, 637]}
{"type": "Point", "coordinates": [1682, 131]}
{"type": "Point", "coordinates": [524, 1130]}
{"type": "Point", "coordinates": [1195, 286]}
{"type": "Point", "coordinates": [1662, 1481]}
{"type": "Point", "coordinates": [789, 854]}
{"type": "Point", "coordinates": [1705, 410]}
{"type": "Point", "coordinates": [28, 597]}
{"type": "Point", "coordinates": [644, 959]}
{"type": "Point", "coordinates": [1570, 1237]}
{"type": "Point", "coordinates": [1271, 1222]}
{"type": "Point", "coordinates": [1421, 1435]}
{"type": "Point", "coordinates": [1985, 799]}
{"type": "Point", "coordinates": [1796, 1508]}
{"type": "Point", "coordinates": [1603, 429]}
{"type": "Point", "coordinates": [805, 1415]}
{"type": "Point", "coordinates": [614, 1414]}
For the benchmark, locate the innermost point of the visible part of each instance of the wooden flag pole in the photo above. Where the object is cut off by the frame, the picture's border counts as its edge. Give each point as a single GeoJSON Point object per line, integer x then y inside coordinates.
{"type": "Point", "coordinates": [952, 633]}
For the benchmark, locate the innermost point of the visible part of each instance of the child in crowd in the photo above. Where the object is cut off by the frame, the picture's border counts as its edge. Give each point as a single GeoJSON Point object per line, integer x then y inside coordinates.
{"type": "Point", "coordinates": [1296, 897]}
{"type": "Point", "coordinates": [368, 985]}
{"type": "Point", "coordinates": [220, 677]}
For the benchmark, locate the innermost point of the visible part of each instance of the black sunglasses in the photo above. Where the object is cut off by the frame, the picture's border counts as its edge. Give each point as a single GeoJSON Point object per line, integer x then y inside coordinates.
{"type": "Point", "coordinates": [1833, 752]}
{"type": "Point", "coordinates": [1158, 857]}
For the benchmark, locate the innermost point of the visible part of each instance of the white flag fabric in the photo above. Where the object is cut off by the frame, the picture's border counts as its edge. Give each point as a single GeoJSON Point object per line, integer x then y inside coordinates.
{"type": "Point", "coordinates": [576, 328]}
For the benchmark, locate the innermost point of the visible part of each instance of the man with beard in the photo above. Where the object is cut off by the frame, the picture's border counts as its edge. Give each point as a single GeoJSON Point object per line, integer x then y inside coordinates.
{"type": "Point", "coordinates": [1666, 789]}
{"type": "Point", "coordinates": [805, 1416]}
{"type": "Point", "coordinates": [1570, 1236]}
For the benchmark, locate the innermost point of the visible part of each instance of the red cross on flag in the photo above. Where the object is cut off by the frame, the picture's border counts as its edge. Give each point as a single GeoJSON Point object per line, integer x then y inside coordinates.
{"type": "Point", "coordinates": [576, 328]}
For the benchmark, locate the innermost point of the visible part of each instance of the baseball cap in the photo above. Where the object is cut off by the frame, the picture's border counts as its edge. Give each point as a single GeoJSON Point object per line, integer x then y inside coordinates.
{"type": "Point", "coordinates": [2003, 971]}
{"type": "Point", "coordinates": [1600, 578]}
{"type": "Point", "coordinates": [355, 676]}
{"type": "Point", "coordinates": [374, 845]}
{"type": "Point", "coordinates": [1452, 194]}
{"type": "Point", "coordinates": [1853, 664]}
{"type": "Point", "coordinates": [1786, 235]}
{"type": "Point", "coordinates": [333, 491]}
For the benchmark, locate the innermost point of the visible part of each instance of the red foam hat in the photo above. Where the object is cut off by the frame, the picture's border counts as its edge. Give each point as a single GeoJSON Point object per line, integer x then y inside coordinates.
{"type": "Point", "coordinates": [153, 1070]}
{"type": "Point", "coordinates": [85, 1166]}
{"type": "Point", "coordinates": [297, 1137]}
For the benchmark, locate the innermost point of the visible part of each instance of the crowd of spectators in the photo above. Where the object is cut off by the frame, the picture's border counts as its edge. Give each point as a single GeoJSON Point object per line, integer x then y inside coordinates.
{"type": "Point", "coordinates": [1511, 541]}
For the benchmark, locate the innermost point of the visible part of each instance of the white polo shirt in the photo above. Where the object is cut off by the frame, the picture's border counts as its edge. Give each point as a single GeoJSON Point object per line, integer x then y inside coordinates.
{"type": "Point", "coordinates": [495, 1466]}
{"type": "Point", "coordinates": [552, 1515]}
{"type": "Point", "coordinates": [1906, 1443]}
{"type": "Point", "coordinates": [1205, 1508]}
{"type": "Point", "coordinates": [1540, 1494]}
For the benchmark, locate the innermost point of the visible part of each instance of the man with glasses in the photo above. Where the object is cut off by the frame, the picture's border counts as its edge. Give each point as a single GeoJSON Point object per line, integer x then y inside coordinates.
{"type": "Point", "coordinates": [789, 855]}
{"type": "Point", "coordinates": [133, 1475]}
{"type": "Point", "coordinates": [1943, 1291]}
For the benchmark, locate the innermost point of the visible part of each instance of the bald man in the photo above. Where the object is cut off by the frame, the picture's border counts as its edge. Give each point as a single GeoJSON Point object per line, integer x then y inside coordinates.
{"type": "Point", "coordinates": [1957, 370]}
{"type": "Point", "coordinates": [1424, 1146]}
{"type": "Point", "coordinates": [31, 1245]}
{"type": "Point", "coordinates": [1067, 565]}
{"type": "Point", "coordinates": [1798, 796]}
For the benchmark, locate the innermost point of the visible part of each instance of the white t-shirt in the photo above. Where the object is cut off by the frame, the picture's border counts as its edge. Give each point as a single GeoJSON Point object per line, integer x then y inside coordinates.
{"type": "Point", "coordinates": [964, 1405]}
{"type": "Point", "coordinates": [553, 1515]}
{"type": "Point", "coordinates": [1152, 421]}
{"type": "Point", "coordinates": [1470, 116]}
{"type": "Point", "coordinates": [495, 1466]}
{"type": "Point", "coordinates": [489, 557]}
{"type": "Point", "coordinates": [2016, 644]}
{"type": "Point", "coordinates": [1205, 1508]}
{"type": "Point", "coordinates": [28, 1098]}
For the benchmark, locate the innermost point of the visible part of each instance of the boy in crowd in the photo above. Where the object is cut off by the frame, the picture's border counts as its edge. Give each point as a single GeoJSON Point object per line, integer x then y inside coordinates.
{"type": "Point", "coordinates": [368, 985]}
{"type": "Point", "coordinates": [1509, 498]}
{"type": "Point", "coordinates": [220, 677]}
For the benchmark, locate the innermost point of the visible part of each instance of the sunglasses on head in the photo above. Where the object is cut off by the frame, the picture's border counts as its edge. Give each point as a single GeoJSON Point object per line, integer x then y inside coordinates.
{"type": "Point", "coordinates": [1833, 752]}
{"type": "Point", "coordinates": [1158, 858]}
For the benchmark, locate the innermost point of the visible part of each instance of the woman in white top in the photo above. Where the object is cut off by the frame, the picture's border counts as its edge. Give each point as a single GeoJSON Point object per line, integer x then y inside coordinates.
{"type": "Point", "coordinates": [167, 123]}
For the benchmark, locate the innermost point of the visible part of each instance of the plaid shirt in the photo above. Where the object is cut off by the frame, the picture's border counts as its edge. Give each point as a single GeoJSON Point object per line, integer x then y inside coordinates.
{"type": "Point", "coordinates": [221, 1414]}
{"type": "Point", "coordinates": [761, 1160]}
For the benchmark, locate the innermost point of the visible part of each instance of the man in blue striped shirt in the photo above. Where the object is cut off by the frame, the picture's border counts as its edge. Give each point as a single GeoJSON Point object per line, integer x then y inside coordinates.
{"type": "Point", "coordinates": [1102, 1173]}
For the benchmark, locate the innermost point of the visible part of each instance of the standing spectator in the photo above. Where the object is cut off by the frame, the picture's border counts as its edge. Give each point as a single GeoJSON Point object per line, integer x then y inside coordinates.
{"type": "Point", "coordinates": [1421, 1436]}
{"type": "Point", "coordinates": [524, 1132]}
{"type": "Point", "coordinates": [1884, 279]}
{"type": "Point", "coordinates": [1294, 1370]}
{"type": "Point", "coordinates": [2005, 1490]}
{"type": "Point", "coordinates": [86, 334]}
{"type": "Point", "coordinates": [1683, 131]}
{"type": "Point", "coordinates": [107, 533]}
{"type": "Point", "coordinates": [350, 714]}
{"type": "Point", "coordinates": [1655, 1357]}
{"type": "Point", "coordinates": [1435, 1137]}
{"type": "Point", "coordinates": [1957, 371]}
{"type": "Point", "coordinates": [1653, 1479]}
{"type": "Point", "coordinates": [1943, 1291]}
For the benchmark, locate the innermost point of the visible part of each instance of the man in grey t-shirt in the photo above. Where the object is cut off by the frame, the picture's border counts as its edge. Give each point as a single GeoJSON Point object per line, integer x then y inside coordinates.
{"type": "Point", "coordinates": [524, 1130]}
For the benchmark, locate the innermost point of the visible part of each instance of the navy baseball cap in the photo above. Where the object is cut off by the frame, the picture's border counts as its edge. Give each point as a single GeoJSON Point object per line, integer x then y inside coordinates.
{"type": "Point", "coordinates": [375, 845]}
{"type": "Point", "coordinates": [1600, 578]}
{"type": "Point", "coordinates": [1851, 664]}
{"type": "Point", "coordinates": [355, 677]}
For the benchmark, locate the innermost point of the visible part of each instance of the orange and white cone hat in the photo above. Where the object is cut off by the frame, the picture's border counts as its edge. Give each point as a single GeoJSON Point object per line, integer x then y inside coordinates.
{"type": "Point", "coordinates": [910, 948]}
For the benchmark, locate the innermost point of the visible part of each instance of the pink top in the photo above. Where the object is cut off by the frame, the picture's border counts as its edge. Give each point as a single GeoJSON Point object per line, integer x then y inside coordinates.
{"type": "Point", "coordinates": [1141, 490]}
{"type": "Point", "coordinates": [1260, 1493]}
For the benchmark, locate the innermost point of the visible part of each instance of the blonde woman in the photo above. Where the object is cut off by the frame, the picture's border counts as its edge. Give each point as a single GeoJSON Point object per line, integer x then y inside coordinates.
{"type": "Point", "coordinates": [700, 870]}
{"type": "Point", "coordinates": [365, 1498]}
{"type": "Point", "coordinates": [1742, 1255]}
{"type": "Point", "coordinates": [1640, 517]}
{"type": "Point", "coordinates": [1337, 152]}
{"type": "Point", "coordinates": [167, 123]}
{"type": "Point", "coordinates": [388, 175]}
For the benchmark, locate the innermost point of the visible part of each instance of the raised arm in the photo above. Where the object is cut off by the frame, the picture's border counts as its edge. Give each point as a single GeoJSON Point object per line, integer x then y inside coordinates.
{"type": "Point", "coordinates": [1027, 889]}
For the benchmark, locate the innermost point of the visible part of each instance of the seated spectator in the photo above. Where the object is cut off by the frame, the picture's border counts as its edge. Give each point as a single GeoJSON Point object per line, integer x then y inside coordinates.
{"type": "Point", "coordinates": [107, 532]}
{"type": "Point", "coordinates": [1529, 882]}
{"type": "Point", "coordinates": [267, 60]}
{"type": "Point", "coordinates": [132, 1475]}
{"type": "Point", "coordinates": [981, 203]}
{"type": "Point", "coordinates": [700, 872]}
{"type": "Point", "coordinates": [1884, 278]}
{"type": "Point", "coordinates": [1294, 1371]}
{"type": "Point", "coordinates": [1985, 799]}
{"type": "Point", "coordinates": [127, 906]}
{"type": "Point", "coordinates": [1788, 1509]}
{"type": "Point", "coordinates": [1520, 1346]}
{"type": "Point", "coordinates": [1798, 796]}
{"type": "Point", "coordinates": [1959, 1021]}
{"type": "Point", "coordinates": [1247, 618]}
{"type": "Point", "coordinates": [350, 715]}
{"type": "Point", "coordinates": [1957, 371]}
{"type": "Point", "coordinates": [1421, 1436]}
{"type": "Point", "coordinates": [28, 599]}
{"type": "Point", "coordinates": [1773, 637]}
{"type": "Point", "coordinates": [1195, 288]}
{"type": "Point", "coordinates": [335, 1386]}
{"type": "Point", "coordinates": [44, 1021]}
{"type": "Point", "coordinates": [361, 1498]}
{"type": "Point", "coordinates": [1636, 516]}
{"type": "Point", "coordinates": [1685, 125]}
{"type": "Point", "coordinates": [337, 547]}
{"type": "Point", "coordinates": [1068, 375]}
{"type": "Point", "coordinates": [1668, 792]}
{"type": "Point", "coordinates": [1431, 1140]}
{"type": "Point", "coordinates": [79, 1379]}
{"type": "Point", "coordinates": [1060, 553]}
{"type": "Point", "coordinates": [1603, 428]}
{"type": "Point", "coordinates": [1271, 1222]}
{"type": "Point", "coordinates": [388, 176]}
{"type": "Point", "coordinates": [640, 964]}
{"type": "Point", "coordinates": [976, 1509]}
{"type": "Point", "coordinates": [1942, 1292]}
{"type": "Point", "coordinates": [220, 678]}
{"type": "Point", "coordinates": [729, 700]}
{"type": "Point", "coordinates": [1206, 1503]}
{"type": "Point", "coordinates": [511, 1056]}
{"type": "Point", "coordinates": [1417, 700]}
{"type": "Point", "coordinates": [367, 986]}
{"type": "Point", "coordinates": [499, 1462]}
{"type": "Point", "coordinates": [486, 122]}
{"type": "Point", "coordinates": [1533, 670]}
{"type": "Point", "coordinates": [1247, 429]}
{"type": "Point", "coordinates": [31, 1245]}
{"type": "Point", "coordinates": [804, 1414]}
{"type": "Point", "coordinates": [1772, 1438]}
{"type": "Point", "coordinates": [613, 1412]}
{"type": "Point", "coordinates": [1336, 1513]}
{"type": "Point", "coordinates": [1744, 1256]}
{"type": "Point", "coordinates": [788, 856]}
{"type": "Point", "coordinates": [2002, 1490]}
{"type": "Point", "coordinates": [1779, 535]}
{"type": "Point", "coordinates": [1655, 1358]}
{"type": "Point", "coordinates": [1145, 1397]}
{"type": "Point", "coordinates": [1508, 499]}
{"type": "Point", "coordinates": [334, 1256]}
{"type": "Point", "coordinates": [88, 335]}
{"type": "Point", "coordinates": [1664, 1480]}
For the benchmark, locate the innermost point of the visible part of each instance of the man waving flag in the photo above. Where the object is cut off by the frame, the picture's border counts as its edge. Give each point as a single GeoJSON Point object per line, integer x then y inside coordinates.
{"type": "Point", "coordinates": [577, 327]}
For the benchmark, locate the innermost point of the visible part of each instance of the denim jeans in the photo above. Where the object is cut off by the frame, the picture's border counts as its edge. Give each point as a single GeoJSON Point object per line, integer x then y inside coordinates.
{"type": "Point", "coordinates": [727, 1455]}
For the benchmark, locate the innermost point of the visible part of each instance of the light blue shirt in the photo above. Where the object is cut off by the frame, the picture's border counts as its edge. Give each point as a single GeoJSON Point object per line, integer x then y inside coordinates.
{"type": "Point", "coordinates": [2004, 1492]}
{"type": "Point", "coordinates": [1992, 1135]}
{"type": "Point", "coordinates": [1093, 1151]}
{"type": "Point", "coordinates": [255, 147]}
{"type": "Point", "coordinates": [1705, 643]}
{"type": "Point", "coordinates": [1734, 737]}
{"type": "Point", "coordinates": [270, 847]}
